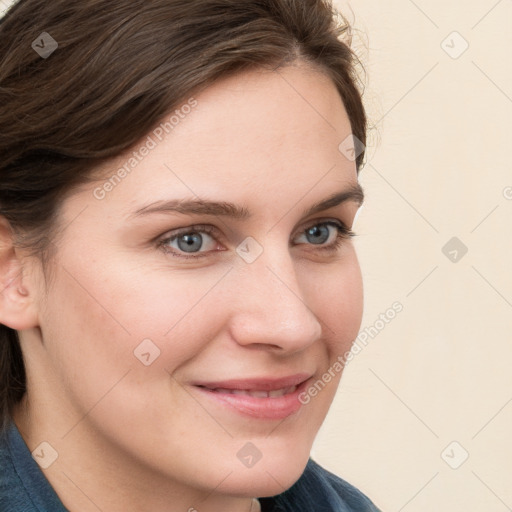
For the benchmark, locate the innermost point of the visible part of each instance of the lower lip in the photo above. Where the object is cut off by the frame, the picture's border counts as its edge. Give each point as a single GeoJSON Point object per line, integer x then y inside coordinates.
{"type": "Point", "coordinates": [269, 408]}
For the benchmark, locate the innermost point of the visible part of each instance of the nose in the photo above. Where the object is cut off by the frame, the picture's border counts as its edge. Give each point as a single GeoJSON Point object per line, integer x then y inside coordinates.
{"type": "Point", "coordinates": [271, 308]}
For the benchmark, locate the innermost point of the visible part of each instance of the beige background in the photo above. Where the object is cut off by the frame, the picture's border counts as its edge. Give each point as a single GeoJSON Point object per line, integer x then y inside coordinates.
{"type": "Point", "coordinates": [438, 165]}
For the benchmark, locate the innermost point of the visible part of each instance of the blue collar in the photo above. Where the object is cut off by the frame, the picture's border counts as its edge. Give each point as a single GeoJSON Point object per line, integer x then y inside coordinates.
{"type": "Point", "coordinates": [22, 479]}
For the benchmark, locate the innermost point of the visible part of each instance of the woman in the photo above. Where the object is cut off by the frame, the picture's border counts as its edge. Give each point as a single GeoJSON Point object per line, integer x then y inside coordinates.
{"type": "Point", "coordinates": [178, 183]}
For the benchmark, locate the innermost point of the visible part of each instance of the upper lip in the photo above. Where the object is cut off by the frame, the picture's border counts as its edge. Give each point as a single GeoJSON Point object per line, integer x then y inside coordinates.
{"type": "Point", "coordinates": [257, 384]}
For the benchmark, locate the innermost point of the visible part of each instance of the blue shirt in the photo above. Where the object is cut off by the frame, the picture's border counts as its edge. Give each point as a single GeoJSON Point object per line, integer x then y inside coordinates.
{"type": "Point", "coordinates": [24, 488]}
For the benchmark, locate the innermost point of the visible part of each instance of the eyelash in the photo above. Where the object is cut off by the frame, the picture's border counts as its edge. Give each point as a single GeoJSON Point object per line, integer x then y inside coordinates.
{"type": "Point", "coordinates": [343, 234]}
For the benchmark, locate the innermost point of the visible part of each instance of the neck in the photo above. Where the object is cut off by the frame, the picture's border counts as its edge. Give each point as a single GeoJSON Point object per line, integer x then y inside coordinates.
{"type": "Point", "coordinates": [105, 488]}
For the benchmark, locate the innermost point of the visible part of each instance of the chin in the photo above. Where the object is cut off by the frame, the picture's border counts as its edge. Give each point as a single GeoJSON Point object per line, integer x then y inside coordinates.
{"type": "Point", "coordinates": [266, 479]}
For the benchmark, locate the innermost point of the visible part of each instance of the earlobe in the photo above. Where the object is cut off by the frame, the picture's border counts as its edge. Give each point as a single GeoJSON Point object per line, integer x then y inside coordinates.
{"type": "Point", "coordinates": [17, 308]}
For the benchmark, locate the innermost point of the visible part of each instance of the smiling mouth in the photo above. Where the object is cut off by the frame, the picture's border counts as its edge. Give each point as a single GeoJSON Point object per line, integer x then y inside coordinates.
{"type": "Point", "coordinates": [265, 399]}
{"type": "Point", "coordinates": [254, 393]}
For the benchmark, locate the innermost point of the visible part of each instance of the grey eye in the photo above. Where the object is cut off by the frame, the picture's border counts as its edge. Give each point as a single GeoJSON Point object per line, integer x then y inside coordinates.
{"type": "Point", "coordinates": [191, 242]}
{"type": "Point", "coordinates": [318, 234]}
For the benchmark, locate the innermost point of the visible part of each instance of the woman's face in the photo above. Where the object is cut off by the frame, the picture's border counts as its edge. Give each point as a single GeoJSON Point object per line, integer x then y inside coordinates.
{"type": "Point", "coordinates": [131, 327]}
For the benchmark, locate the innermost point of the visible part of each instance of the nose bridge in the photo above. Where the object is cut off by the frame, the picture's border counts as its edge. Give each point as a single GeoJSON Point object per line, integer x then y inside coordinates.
{"type": "Point", "coordinates": [273, 308]}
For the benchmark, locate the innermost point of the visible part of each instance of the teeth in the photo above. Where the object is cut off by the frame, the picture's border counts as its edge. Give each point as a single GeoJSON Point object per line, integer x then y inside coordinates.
{"type": "Point", "coordinates": [258, 394]}
{"type": "Point", "coordinates": [237, 392]}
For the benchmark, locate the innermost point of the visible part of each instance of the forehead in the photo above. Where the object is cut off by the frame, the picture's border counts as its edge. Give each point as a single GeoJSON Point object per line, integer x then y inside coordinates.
{"type": "Point", "coordinates": [258, 111]}
{"type": "Point", "coordinates": [246, 137]}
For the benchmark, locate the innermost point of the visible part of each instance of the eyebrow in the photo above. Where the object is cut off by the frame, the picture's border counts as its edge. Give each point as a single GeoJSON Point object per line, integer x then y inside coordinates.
{"type": "Point", "coordinates": [354, 193]}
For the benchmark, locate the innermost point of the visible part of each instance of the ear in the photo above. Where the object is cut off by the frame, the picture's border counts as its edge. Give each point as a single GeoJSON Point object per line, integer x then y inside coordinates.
{"type": "Point", "coordinates": [17, 292]}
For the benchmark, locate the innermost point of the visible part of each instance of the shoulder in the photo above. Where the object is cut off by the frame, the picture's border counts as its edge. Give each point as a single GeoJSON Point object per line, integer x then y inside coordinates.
{"type": "Point", "coordinates": [320, 490]}
{"type": "Point", "coordinates": [349, 495]}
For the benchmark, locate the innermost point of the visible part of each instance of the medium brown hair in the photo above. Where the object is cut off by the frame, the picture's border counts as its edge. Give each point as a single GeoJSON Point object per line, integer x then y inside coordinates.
{"type": "Point", "coordinates": [119, 68]}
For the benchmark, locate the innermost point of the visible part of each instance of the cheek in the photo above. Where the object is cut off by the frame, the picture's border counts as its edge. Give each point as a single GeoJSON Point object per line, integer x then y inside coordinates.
{"type": "Point", "coordinates": [103, 322]}
{"type": "Point", "coordinates": [337, 299]}
{"type": "Point", "coordinates": [99, 314]}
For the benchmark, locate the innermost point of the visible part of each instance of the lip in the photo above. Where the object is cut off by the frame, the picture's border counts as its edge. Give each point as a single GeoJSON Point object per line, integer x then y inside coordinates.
{"type": "Point", "coordinates": [270, 408]}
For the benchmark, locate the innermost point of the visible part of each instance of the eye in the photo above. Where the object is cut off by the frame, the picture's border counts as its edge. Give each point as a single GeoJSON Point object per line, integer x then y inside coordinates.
{"type": "Point", "coordinates": [319, 234]}
{"type": "Point", "coordinates": [187, 243]}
